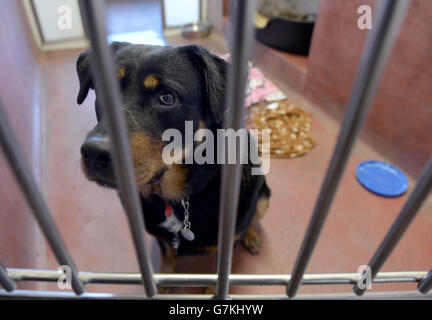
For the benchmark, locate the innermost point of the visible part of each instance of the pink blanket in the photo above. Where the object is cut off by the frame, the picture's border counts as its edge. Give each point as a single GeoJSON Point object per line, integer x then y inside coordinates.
{"type": "Point", "coordinates": [258, 87]}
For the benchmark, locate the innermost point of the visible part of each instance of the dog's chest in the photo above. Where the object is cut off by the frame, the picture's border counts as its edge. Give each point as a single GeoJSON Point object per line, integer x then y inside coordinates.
{"type": "Point", "coordinates": [170, 223]}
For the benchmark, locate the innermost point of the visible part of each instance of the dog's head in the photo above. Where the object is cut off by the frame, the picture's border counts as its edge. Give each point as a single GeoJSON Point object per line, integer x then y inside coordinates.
{"type": "Point", "coordinates": [161, 88]}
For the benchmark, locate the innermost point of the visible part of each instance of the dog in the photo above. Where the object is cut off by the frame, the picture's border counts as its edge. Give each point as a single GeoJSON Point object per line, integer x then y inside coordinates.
{"type": "Point", "coordinates": [161, 88]}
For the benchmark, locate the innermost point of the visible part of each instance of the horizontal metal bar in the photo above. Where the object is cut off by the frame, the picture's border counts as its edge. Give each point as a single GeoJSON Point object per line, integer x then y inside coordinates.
{"type": "Point", "coordinates": [198, 280]}
{"type": "Point", "coordinates": [5, 280]}
{"type": "Point", "coordinates": [401, 223]}
{"type": "Point", "coordinates": [231, 173]}
{"type": "Point", "coordinates": [384, 295]}
{"type": "Point", "coordinates": [93, 13]}
{"type": "Point", "coordinates": [373, 59]}
{"type": "Point", "coordinates": [23, 174]}
{"type": "Point", "coordinates": [33, 294]}
{"type": "Point", "coordinates": [426, 284]}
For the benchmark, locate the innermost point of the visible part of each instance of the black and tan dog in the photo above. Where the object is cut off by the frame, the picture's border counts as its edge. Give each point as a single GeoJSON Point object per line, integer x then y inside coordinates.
{"type": "Point", "coordinates": [162, 87]}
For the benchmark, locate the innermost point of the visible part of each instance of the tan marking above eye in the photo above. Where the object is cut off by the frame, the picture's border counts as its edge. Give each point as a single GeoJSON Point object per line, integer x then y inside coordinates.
{"type": "Point", "coordinates": [151, 82]}
{"type": "Point", "coordinates": [120, 73]}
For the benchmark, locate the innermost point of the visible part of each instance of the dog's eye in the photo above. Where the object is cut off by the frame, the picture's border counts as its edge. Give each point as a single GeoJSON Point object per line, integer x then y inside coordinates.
{"type": "Point", "coordinates": [167, 99]}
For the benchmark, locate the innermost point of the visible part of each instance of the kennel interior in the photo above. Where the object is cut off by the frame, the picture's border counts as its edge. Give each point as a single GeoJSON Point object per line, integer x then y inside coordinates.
{"type": "Point", "coordinates": [336, 83]}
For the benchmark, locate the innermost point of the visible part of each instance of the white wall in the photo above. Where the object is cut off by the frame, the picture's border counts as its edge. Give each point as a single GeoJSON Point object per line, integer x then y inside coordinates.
{"type": "Point", "coordinates": [180, 12]}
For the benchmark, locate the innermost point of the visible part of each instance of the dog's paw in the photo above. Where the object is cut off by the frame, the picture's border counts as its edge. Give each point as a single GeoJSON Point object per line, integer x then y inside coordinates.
{"type": "Point", "coordinates": [252, 241]}
{"type": "Point", "coordinates": [165, 290]}
{"type": "Point", "coordinates": [210, 290]}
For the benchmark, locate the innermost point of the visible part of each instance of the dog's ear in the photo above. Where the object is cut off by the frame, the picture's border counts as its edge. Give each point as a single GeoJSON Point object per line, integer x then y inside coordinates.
{"type": "Point", "coordinates": [84, 72]}
{"type": "Point", "coordinates": [84, 76]}
{"type": "Point", "coordinates": [214, 70]}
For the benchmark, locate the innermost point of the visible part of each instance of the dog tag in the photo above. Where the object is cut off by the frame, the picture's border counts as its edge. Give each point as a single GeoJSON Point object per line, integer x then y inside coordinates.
{"type": "Point", "coordinates": [188, 234]}
{"type": "Point", "coordinates": [172, 224]}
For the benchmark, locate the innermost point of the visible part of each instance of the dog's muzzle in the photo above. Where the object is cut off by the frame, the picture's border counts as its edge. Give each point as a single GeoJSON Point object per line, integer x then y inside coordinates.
{"type": "Point", "coordinates": [97, 160]}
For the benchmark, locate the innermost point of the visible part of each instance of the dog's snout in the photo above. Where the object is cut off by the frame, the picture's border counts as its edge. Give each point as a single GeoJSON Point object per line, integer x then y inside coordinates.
{"type": "Point", "coordinates": [96, 153]}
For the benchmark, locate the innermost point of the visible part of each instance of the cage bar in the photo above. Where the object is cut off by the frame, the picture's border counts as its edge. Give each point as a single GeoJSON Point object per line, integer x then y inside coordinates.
{"type": "Point", "coordinates": [32, 294]}
{"type": "Point", "coordinates": [426, 284]}
{"type": "Point", "coordinates": [23, 175]}
{"type": "Point", "coordinates": [401, 224]}
{"type": "Point", "coordinates": [389, 17]}
{"type": "Point", "coordinates": [7, 283]}
{"type": "Point", "coordinates": [102, 62]}
{"type": "Point", "coordinates": [231, 173]}
{"type": "Point", "coordinates": [203, 280]}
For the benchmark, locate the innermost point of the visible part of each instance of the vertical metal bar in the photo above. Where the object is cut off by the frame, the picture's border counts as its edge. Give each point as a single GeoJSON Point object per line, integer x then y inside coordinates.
{"type": "Point", "coordinates": [403, 220]}
{"type": "Point", "coordinates": [380, 40]}
{"type": "Point", "coordinates": [93, 13]}
{"type": "Point", "coordinates": [203, 10]}
{"type": "Point", "coordinates": [164, 24]}
{"type": "Point", "coordinates": [23, 174]}
{"type": "Point", "coordinates": [231, 173]}
{"type": "Point", "coordinates": [426, 284]}
{"type": "Point", "coordinates": [7, 283]}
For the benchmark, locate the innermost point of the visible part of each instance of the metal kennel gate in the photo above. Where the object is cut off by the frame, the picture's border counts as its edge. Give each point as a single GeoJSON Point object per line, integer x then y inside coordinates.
{"type": "Point", "coordinates": [389, 17]}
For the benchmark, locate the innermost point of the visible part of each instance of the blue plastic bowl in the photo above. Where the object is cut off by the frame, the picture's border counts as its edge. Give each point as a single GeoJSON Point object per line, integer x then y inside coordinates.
{"type": "Point", "coordinates": [382, 178]}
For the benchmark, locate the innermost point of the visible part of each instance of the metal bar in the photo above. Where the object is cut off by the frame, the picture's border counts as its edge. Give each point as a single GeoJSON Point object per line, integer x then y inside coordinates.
{"type": "Point", "coordinates": [231, 173]}
{"type": "Point", "coordinates": [389, 14]}
{"type": "Point", "coordinates": [400, 225]}
{"type": "Point", "coordinates": [426, 284]}
{"type": "Point", "coordinates": [33, 294]}
{"type": "Point", "coordinates": [203, 280]}
{"type": "Point", "coordinates": [5, 280]}
{"type": "Point", "coordinates": [93, 13]}
{"type": "Point", "coordinates": [23, 175]}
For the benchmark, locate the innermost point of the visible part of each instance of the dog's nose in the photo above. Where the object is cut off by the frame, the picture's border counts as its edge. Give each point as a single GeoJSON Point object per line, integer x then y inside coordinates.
{"type": "Point", "coordinates": [96, 153]}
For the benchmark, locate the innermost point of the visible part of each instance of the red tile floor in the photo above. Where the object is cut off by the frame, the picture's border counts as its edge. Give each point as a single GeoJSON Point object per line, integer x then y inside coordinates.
{"type": "Point", "coordinates": [96, 232]}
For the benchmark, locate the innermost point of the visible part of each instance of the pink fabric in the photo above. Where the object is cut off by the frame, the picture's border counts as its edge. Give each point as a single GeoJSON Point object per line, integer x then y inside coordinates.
{"type": "Point", "coordinates": [258, 86]}
{"type": "Point", "coordinates": [260, 92]}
